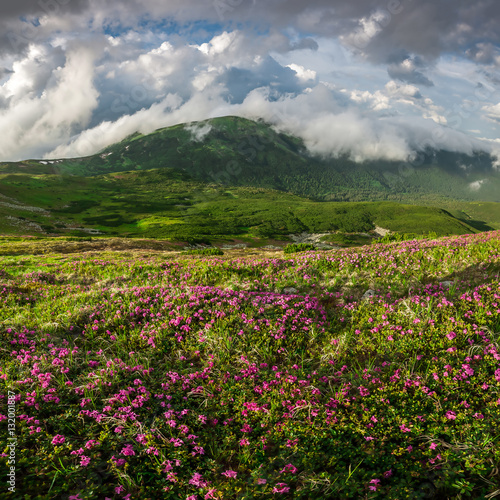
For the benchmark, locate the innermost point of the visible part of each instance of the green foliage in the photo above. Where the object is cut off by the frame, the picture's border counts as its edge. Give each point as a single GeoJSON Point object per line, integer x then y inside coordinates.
{"type": "Point", "coordinates": [348, 240]}
{"type": "Point", "coordinates": [398, 237]}
{"type": "Point", "coordinates": [206, 251]}
{"type": "Point", "coordinates": [298, 247]}
{"type": "Point", "coordinates": [78, 238]}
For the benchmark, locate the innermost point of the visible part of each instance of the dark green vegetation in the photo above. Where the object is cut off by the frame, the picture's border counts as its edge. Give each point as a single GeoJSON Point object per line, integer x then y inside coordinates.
{"type": "Point", "coordinates": [298, 247]}
{"type": "Point", "coordinates": [244, 180]}
{"type": "Point", "coordinates": [144, 374]}
{"type": "Point", "coordinates": [206, 251]}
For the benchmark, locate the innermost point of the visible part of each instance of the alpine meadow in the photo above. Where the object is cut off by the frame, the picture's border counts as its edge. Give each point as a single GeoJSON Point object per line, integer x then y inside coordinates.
{"type": "Point", "coordinates": [249, 250]}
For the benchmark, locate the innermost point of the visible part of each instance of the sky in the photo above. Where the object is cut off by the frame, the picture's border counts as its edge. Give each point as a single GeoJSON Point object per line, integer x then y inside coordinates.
{"type": "Point", "coordinates": [374, 79]}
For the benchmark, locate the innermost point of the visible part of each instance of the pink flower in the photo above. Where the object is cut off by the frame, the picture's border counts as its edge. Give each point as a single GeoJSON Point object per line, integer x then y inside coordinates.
{"type": "Point", "coordinates": [119, 489]}
{"type": "Point", "coordinates": [84, 461]}
{"type": "Point", "coordinates": [90, 444]}
{"type": "Point", "coordinates": [198, 481]}
{"type": "Point", "coordinates": [388, 473]}
{"type": "Point", "coordinates": [58, 439]}
{"type": "Point", "coordinates": [118, 461]}
{"type": "Point", "coordinates": [281, 488]}
{"type": "Point", "coordinates": [141, 438]}
{"type": "Point", "coordinates": [433, 446]}
{"type": "Point", "coordinates": [244, 442]}
{"type": "Point", "coordinates": [176, 442]}
{"type": "Point", "coordinates": [192, 497]}
{"type": "Point", "coordinates": [261, 480]}
{"type": "Point", "coordinates": [128, 450]}
{"type": "Point", "coordinates": [374, 484]}
{"type": "Point", "coordinates": [230, 473]}
{"type": "Point", "coordinates": [451, 335]}
{"type": "Point", "coordinates": [75, 497]}
{"type": "Point", "coordinates": [451, 415]}
{"type": "Point", "coordinates": [289, 468]}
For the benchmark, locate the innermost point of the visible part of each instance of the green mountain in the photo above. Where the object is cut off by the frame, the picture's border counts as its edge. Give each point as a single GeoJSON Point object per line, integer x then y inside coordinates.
{"type": "Point", "coordinates": [235, 177]}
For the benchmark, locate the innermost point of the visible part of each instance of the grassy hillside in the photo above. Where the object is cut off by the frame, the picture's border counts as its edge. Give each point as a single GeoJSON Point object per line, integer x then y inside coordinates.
{"type": "Point", "coordinates": [166, 203]}
{"type": "Point", "coordinates": [149, 374]}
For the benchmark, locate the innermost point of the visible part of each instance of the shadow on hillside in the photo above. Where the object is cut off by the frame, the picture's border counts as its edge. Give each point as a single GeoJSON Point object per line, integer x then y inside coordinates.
{"type": "Point", "coordinates": [474, 275]}
{"type": "Point", "coordinates": [478, 224]}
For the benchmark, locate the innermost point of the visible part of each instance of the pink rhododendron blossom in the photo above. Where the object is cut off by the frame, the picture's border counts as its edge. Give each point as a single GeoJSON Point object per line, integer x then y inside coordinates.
{"type": "Point", "coordinates": [198, 481]}
{"type": "Point", "coordinates": [128, 450]}
{"type": "Point", "coordinates": [281, 488]}
{"type": "Point", "coordinates": [58, 439]}
{"type": "Point", "coordinates": [289, 468]}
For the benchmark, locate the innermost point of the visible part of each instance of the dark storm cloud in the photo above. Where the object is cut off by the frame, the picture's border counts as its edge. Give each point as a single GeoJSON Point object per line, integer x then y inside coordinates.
{"type": "Point", "coordinates": [408, 70]}
{"type": "Point", "coordinates": [424, 27]}
{"type": "Point", "coordinates": [34, 8]}
{"type": "Point", "coordinates": [305, 44]}
{"type": "Point", "coordinates": [19, 20]}
{"type": "Point", "coordinates": [4, 72]}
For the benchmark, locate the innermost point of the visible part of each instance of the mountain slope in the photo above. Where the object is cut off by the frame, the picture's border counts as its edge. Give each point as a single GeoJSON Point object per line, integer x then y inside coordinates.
{"type": "Point", "coordinates": [239, 152]}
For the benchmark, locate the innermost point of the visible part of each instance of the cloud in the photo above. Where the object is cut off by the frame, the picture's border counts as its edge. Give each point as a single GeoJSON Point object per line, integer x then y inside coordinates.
{"type": "Point", "coordinates": [492, 112]}
{"type": "Point", "coordinates": [476, 186]}
{"type": "Point", "coordinates": [64, 106]}
{"type": "Point", "coordinates": [303, 73]}
{"type": "Point", "coordinates": [319, 116]}
{"type": "Point", "coordinates": [199, 131]}
{"type": "Point", "coordinates": [407, 71]}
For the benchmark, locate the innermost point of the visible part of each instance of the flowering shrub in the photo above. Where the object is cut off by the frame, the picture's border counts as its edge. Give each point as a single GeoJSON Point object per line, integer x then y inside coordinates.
{"type": "Point", "coordinates": [162, 377]}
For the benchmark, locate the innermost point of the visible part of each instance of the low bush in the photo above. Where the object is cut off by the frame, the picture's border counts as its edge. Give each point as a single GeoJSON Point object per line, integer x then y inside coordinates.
{"type": "Point", "coordinates": [298, 247]}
